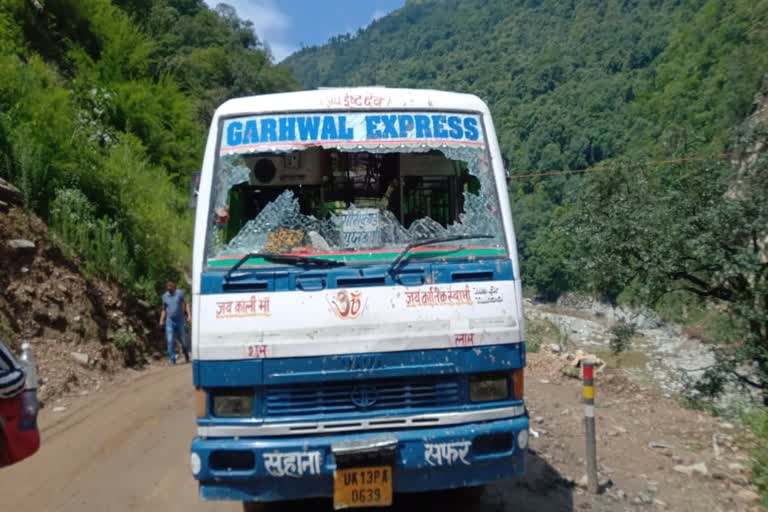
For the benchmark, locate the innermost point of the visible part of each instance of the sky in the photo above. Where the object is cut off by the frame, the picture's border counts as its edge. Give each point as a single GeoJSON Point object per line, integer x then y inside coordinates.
{"type": "Point", "coordinates": [286, 25]}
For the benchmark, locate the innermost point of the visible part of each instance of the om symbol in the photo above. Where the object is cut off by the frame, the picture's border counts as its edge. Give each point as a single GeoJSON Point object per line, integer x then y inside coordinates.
{"type": "Point", "coordinates": [347, 305]}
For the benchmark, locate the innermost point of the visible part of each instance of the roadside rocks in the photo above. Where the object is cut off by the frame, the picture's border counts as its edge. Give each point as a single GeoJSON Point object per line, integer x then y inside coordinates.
{"type": "Point", "coordinates": [573, 360]}
{"type": "Point", "coordinates": [10, 194]}
{"type": "Point", "coordinates": [83, 360]}
{"type": "Point", "coordinates": [659, 445]}
{"type": "Point", "coordinates": [21, 246]}
{"type": "Point", "coordinates": [694, 469]}
{"type": "Point", "coordinates": [747, 496]}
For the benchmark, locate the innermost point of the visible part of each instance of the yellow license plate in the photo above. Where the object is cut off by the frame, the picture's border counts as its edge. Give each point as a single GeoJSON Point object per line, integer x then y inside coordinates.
{"type": "Point", "coordinates": [362, 487]}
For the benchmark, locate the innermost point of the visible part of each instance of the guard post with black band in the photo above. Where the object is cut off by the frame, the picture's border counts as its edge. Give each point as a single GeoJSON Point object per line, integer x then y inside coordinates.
{"type": "Point", "coordinates": [589, 424]}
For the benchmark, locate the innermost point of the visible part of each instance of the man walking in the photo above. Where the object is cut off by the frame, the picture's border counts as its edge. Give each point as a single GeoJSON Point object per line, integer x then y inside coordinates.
{"type": "Point", "coordinates": [174, 318]}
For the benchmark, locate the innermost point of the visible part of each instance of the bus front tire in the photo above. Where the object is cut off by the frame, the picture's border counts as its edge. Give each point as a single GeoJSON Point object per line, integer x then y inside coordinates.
{"type": "Point", "coordinates": [254, 506]}
{"type": "Point", "coordinates": [470, 494]}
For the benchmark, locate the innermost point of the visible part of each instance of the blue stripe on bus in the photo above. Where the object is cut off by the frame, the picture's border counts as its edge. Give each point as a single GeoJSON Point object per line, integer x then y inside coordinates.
{"type": "Point", "coordinates": [292, 278]}
{"type": "Point", "coordinates": [296, 370]}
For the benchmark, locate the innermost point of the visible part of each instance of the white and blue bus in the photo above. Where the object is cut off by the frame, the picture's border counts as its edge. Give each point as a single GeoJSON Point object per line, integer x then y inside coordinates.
{"type": "Point", "coordinates": [358, 325]}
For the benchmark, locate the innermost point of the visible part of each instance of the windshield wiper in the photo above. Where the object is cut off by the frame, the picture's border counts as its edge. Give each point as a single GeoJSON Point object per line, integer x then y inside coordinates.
{"type": "Point", "coordinates": [290, 259]}
{"type": "Point", "coordinates": [429, 241]}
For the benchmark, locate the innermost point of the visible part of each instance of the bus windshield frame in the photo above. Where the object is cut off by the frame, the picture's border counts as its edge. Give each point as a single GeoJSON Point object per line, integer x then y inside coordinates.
{"type": "Point", "coordinates": [295, 183]}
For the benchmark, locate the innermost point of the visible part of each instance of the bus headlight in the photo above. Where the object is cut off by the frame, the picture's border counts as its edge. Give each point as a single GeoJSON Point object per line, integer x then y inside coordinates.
{"type": "Point", "coordinates": [233, 405]}
{"type": "Point", "coordinates": [487, 388]}
{"type": "Point", "coordinates": [195, 463]}
{"type": "Point", "coordinates": [522, 439]}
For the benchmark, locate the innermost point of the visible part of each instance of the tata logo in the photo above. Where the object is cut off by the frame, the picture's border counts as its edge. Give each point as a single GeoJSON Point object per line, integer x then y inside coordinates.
{"type": "Point", "coordinates": [364, 363]}
{"type": "Point", "coordinates": [364, 396]}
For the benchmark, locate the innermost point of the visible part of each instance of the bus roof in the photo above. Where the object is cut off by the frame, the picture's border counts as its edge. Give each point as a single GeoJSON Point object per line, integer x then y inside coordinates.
{"type": "Point", "coordinates": [353, 98]}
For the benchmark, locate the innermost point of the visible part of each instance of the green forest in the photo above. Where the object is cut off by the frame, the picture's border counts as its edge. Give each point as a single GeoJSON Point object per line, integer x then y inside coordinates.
{"type": "Point", "coordinates": [104, 108]}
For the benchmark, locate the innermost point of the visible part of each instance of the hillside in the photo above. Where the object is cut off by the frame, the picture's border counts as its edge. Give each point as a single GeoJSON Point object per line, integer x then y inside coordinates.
{"type": "Point", "coordinates": [570, 85]}
{"type": "Point", "coordinates": [105, 105]}
{"type": "Point", "coordinates": [82, 329]}
{"type": "Point", "coordinates": [559, 76]}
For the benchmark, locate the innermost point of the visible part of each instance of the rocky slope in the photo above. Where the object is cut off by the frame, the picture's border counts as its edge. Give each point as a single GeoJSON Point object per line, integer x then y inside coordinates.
{"type": "Point", "coordinates": [73, 321]}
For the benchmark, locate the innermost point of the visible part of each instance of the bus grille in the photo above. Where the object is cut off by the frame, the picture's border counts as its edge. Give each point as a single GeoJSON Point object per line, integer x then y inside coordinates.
{"type": "Point", "coordinates": [362, 396]}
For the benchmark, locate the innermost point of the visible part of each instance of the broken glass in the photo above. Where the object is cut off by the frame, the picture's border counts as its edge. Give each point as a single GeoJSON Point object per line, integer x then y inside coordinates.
{"type": "Point", "coordinates": [281, 226]}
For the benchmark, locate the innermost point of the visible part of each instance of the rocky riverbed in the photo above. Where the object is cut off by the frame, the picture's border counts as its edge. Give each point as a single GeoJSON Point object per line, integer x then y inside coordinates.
{"type": "Point", "coordinates": [660, 353]}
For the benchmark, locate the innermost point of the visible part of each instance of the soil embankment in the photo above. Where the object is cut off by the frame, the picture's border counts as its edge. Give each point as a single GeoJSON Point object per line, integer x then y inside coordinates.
{"type": "Point", "coordinates": [71, 320]}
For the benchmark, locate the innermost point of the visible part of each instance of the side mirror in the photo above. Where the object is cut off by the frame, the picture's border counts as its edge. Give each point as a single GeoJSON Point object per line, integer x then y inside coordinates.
{"type": "Point", "coordinates": [194, 189]}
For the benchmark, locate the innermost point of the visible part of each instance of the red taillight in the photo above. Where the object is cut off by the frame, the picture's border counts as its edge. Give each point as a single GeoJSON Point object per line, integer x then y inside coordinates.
{"type": "Point", "coordinates": [518, 384]}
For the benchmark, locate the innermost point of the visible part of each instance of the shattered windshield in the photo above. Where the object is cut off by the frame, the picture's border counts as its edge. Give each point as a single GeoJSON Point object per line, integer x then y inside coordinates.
{"type": "Point", "coordinates": [354, 187]}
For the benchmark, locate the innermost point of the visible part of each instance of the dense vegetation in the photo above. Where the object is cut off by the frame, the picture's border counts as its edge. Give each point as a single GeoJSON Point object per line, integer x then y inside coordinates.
{"type": "Point", "coordinates": [573, 85]}
{"type": "Point", "coordinates": [103, 113]}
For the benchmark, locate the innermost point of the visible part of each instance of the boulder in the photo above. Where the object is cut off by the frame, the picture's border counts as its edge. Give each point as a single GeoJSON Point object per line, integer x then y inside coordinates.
{"type": "Point", "coordinates": [21, 246]}
{"type": "Point", "coordinates": [694, 469]}
{"type": "Point", "coordinates": [10, 194]}
{"type": "Point", "coordinates": [81, 358]}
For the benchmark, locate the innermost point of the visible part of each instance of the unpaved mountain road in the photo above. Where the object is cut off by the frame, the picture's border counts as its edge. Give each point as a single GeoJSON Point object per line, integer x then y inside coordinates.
{"type": "Point", "coordinates": [126, 448]}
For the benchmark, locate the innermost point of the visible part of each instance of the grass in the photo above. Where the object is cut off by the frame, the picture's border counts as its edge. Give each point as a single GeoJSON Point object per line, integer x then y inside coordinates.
{"type": "Point", "coordinates": [540, 332]}
{"type": "Point", "coordinates": [757, 421]}
{"type": "Point", "coordinates": [627, 359]}
{"type": "Point", "coordinates": [699, 320]}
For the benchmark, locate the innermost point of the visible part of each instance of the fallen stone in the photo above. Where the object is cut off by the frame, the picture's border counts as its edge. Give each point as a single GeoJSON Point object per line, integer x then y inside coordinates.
{"type": "Point", "coordinates": [736, 467]}
{"type": "Point", "coordinates": [10, 194]}
{"type": "Point", "coordinates": [739, 480]}
{"type": "Point", "coordinates": [538, 419]}
{"type": "Point", "coordinates": [644, 498]}
{"type": "Point", "coordinates": [21, 245]}
{"type": "Point", "coordinates": [719, 475]}
{"type": "Point", "coordinates": [80, 358]}
{"type": "Point", "coordinates": [555, 348]}
{"type": "Point", "coordinates": [694, 469]}
{"type": "Point", "coordinates": [659, 504]}
{"type": "Point", "coordinates": [59, 409]}
{"type": "Point", "coordinates": [544, 381]}
{"type": "Point", "coordinates": [659, 446]}
{"type": "Point", "coordinates": [727, 426]}
{"type": "Point", "coordinates": [747, 496]}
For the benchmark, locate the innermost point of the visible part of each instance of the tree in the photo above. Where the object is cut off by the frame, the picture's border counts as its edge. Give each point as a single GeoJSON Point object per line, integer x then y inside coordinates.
{"type": "Point", "coordinates": [701, 228]}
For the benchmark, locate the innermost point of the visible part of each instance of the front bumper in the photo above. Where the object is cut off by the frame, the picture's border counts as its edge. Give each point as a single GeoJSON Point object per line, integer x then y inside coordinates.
{"type": "Point", "coordinates": [286, 468]}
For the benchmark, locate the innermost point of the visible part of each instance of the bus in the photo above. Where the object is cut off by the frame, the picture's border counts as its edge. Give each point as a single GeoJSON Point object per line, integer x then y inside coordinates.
{"type": "Point", "coordinates": [357, 321]}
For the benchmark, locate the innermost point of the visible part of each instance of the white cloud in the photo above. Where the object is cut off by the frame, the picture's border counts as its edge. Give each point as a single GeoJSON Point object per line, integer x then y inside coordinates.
{"type": "Point", "coordinates": [269, 22]}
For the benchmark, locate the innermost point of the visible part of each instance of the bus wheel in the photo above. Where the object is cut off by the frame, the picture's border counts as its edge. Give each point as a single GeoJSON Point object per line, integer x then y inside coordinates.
{"type": "Point", "coordinates": [471, 494]}
{"type": "Point", "coordinates": [254, 506]}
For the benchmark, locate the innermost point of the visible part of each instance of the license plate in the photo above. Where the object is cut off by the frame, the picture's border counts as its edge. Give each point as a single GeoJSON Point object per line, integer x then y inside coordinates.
{"type": "Point", "coordinates": [362, 487]}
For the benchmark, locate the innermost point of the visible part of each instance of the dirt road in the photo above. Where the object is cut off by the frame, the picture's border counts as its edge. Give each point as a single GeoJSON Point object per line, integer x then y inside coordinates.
{"type": "Point", "coordinates": [126, 448]}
